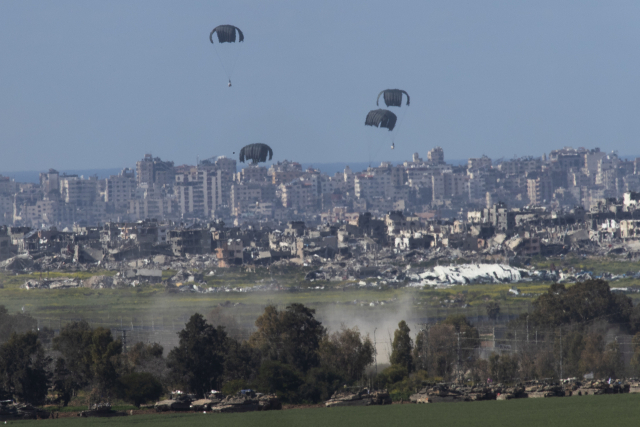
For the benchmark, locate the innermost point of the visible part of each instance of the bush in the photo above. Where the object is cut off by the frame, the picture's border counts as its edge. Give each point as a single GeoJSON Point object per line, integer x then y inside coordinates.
{"type": "Point", "coordinates": [280, 379]}
{"type": "Point", "coordinates": [408, 385]}
{"type": "Point", "coordinates": [391, 375]}
{"type": "Point", "coordinates": [320, 385]}
{"type": "Point", "coordinates": [139, 388]}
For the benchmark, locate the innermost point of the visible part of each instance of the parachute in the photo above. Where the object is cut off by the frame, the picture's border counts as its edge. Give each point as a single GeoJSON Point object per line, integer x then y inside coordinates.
{"type": "Point", "coordinates": [256, 153]}
{"type": "Point", "coordinates": [381, 118]}
{"type": "Point", "coordinates": [227, 56]}
{"type": "Point", "coordinates": [393, 97]}
{"type": "Point", "coordinates": [226, 34]}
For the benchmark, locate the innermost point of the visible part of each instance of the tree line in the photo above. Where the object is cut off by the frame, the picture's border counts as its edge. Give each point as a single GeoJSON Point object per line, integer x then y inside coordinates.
{"type": "Point", "coordinates": [290, 353]}
{"type": "Point", "coordinates": [571, 331]}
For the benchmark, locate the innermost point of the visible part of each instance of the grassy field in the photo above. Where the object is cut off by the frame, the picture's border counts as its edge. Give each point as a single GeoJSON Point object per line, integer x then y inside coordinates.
{"type": "Point", "coordinates": [618, 410]}
{"type": "Point", "coordinates": [153, 303]}
{"type": "Point", "coordinates": [597, 265]}
{"type": "Point", "coordinates": [153, 306]}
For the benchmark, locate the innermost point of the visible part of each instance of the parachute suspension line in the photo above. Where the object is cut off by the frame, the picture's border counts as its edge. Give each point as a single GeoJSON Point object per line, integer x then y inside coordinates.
{"type": "Point", "coordinates": [221, 62]}
{"type": "Point", "coordinates": [235, 60]}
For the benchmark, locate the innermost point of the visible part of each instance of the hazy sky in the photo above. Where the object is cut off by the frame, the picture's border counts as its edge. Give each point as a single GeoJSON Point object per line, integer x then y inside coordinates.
{"type": "Point", "coordinates": [96, 84]}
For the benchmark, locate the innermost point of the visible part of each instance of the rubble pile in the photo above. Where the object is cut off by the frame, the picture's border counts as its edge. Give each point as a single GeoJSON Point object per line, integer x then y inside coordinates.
{"type": "Point", "coordinates": [58, 283]}
{"type": "Point", "coordinates": [363, 397]}
{"type": "Point", "coordinates": [186, 276]}
{"type": "Point", "coordinates": [104, 282]}
{"type": "Point", "coordinates": [17, 263]}
{"type": "Point", "coordinates": [52, 263]}
{"type": "Point", "coordinates": [380, 249]}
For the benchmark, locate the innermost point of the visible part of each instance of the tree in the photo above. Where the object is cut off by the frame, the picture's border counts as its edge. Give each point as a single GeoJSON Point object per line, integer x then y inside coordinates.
{"type": "Point", "coordinates": [480, 371]}
{"type": "Point", "coordinates": [392, 375]}
{"type": "Point", "coordinates": [23, 368]}
{"type": "Point", "coordinates": [591, 359]}
{"type": "Point", "coordinates": [347, 353]}
{"type": "Point", "coordinates": [442, 347]}
{"type": "Point", "coordinates": [634, 319]}
{"type": "Point", "coordinates": [573, 346]}
{"type": "Point", "coordinates": [63, 381]}
{"type": "Point", "coordinates": [198, 360]}
{"type": "Point", "coordinates": [635, 359]}
{"type": "Point", "coordinates": [503, 368]}
{"type": "Point", "coordinates": [613, 363]}
{"type": "Point", "coordinates": [580, 303]}
{"type": "Point", "coordinates": [545, 363]}
{"type": "Point", "coordinates": [148, 358]}
{"type": "Point", "coordinates": [139, 388]}
{"type": "Point", "coordinates": [420, 351]}
{"type": "Point", "coordinates": [493, 310]}
{"type": "Point", "coordinates": [104, 352]}
{"type": "Point", "coordinates": [140, 353]}
{"type": "Point", "coordinates": [463, 327]}
{"type": "Point", "coordinates": [467, 339]}
{"type": "Point", "coordinates": [441, 352]}
{"type": "Point", "coordinates": [242, 362]}
{"type": "Point", "coordinates": [291, 336]}
{"type": "Point", "coordinates": [268, 337]}
{"type": "Point", "coordinates": [320, 384]}
{"type": "Point", "coordinates": [402, 347]}
{"type": "Point", "coordinates": [280, 379]}
{"type": "Point", "coordinates": [74, 343]}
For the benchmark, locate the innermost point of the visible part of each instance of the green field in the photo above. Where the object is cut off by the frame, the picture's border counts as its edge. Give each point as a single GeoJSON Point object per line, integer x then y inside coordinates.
{"type": "Point", "coordinates": [615, 410]}
{"type": "Point", "coordinates": [598, 265]}
{"type": "Point", "coordinates": [155, 307]}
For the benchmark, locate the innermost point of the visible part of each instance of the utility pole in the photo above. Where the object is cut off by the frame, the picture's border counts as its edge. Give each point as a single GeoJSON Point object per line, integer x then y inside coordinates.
{"type": "Point", "coordinates": [375, 354]}
{"type": "Point", "coordinates": [527, 328]}
{"type": "Point", "coordinates": [561, 371]}
{"type": "Point", "coordinates": [494, 336]}
{"type": "Point", "coordinates": [425, 346]}
{"type": "Point", "coordinates": [458, 364]}
{"type": "Point", "coordinates": [124, 340]}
